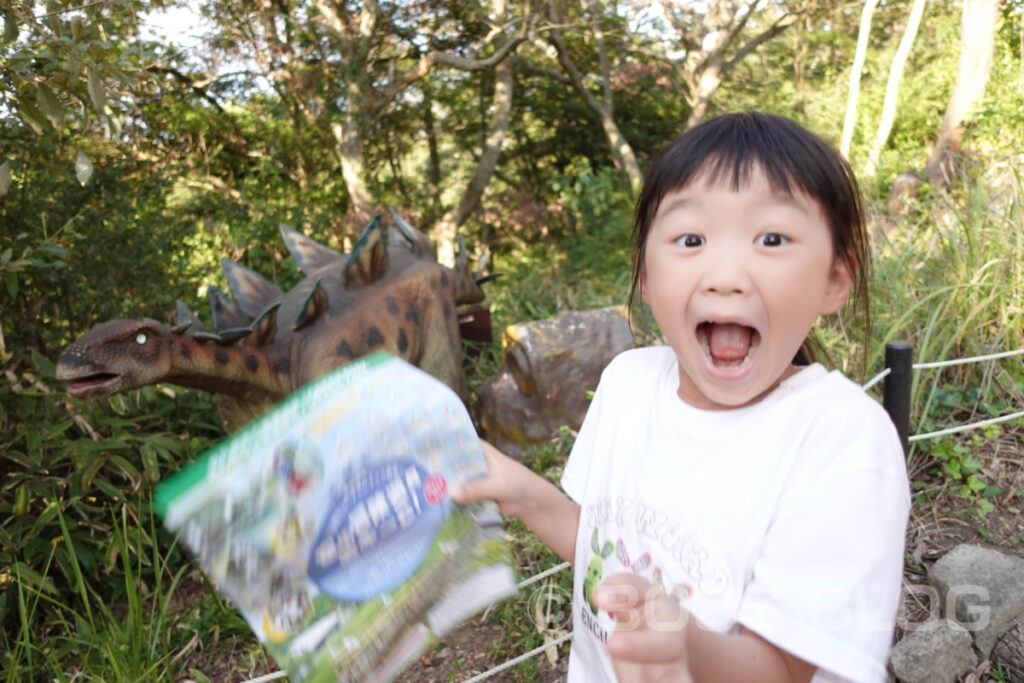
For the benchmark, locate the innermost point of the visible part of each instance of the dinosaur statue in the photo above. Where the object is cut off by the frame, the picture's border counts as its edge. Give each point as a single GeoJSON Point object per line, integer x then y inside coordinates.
{"type": "Point", "coordinates": [266, 343]}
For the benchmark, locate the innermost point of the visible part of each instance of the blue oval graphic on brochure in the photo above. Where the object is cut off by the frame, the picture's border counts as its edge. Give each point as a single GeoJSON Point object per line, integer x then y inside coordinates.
{"type": "Point", "coordinates": [380, 524]}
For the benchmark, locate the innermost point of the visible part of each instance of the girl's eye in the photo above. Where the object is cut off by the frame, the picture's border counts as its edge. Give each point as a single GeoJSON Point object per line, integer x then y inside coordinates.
{"type": "Point", "coordinates": [771, 239]}
{"type": "Point", "coordinates": [690, 240]}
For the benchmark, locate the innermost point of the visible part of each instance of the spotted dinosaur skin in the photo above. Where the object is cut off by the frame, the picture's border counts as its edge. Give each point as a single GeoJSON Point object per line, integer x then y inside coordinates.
{"type": "Point", "coordinates": [267, 343]}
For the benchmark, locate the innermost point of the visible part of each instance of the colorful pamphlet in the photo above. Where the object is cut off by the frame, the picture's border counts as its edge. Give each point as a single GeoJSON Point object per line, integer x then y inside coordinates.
{"type": "Point", "coordinates": [327, 522]}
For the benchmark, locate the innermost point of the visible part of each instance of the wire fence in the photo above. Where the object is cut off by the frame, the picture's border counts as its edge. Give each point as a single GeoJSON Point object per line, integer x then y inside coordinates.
{"type": "Point", "coordinates": [885, 374]}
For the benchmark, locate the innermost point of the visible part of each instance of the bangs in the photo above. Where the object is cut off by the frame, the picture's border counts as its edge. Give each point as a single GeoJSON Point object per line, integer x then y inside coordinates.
{"type": "Point", "coordinates": [730, 148]}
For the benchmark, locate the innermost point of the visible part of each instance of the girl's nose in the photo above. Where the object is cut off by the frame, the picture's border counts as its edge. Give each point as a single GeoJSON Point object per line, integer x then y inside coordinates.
{"type": "Point", "coordinates": [726, 274]}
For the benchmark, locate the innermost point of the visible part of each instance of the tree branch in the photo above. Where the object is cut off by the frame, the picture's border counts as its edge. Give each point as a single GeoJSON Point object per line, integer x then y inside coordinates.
{"type": "Point", "coordinates": [772, 31]}
{"type": "Point", "coordinates": [186, 80]}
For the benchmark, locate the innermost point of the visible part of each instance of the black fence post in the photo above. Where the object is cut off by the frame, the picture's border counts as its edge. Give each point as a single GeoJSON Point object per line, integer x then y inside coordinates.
{"type": "Point", "coordinates": [896, 393]}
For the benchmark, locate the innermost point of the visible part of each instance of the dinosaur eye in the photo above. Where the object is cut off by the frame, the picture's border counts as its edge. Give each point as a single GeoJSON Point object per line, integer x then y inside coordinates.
{"type": "Point", "coordinates": [141, 338]}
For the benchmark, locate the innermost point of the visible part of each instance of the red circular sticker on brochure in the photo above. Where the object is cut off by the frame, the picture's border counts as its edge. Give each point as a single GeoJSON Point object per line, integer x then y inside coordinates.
{"type": "Point", "coordinates": [434, 488]}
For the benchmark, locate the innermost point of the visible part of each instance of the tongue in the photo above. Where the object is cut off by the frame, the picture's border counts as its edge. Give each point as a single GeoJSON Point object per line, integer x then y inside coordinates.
{"type": "Point", "coordinates": [729, 341]}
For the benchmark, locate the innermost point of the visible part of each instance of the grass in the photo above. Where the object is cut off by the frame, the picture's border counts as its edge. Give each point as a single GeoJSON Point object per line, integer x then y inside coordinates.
{"type": "Point", "coordinates": [129, 641]}
{"type": "Point", "coordinates": [948, 279]}
{"type": "Point", "coordinates": [146, 632]}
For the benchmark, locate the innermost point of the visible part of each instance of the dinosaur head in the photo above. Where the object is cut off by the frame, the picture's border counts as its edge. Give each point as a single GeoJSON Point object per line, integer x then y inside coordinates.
{"type": "Point", "coordinates": [116, 356]}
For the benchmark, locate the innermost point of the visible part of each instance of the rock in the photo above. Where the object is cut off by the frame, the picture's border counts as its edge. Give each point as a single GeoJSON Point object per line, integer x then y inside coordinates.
{"type": "Point", "coordinates": [937, 652]}
{"type": "Point", "coordinates": [1009, 652]}
{"type": "Point", "coordinates": [982, 589]}
{"type": "Point", "coordinates": [548, 368]}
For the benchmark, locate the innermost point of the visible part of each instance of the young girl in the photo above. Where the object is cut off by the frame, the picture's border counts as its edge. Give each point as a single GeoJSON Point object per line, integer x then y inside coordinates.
{"type": "Point", "coordinates": [735, 512]}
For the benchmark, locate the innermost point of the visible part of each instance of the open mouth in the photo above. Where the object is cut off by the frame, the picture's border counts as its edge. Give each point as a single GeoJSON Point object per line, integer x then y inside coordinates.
{"type": "Point", "coordinates": [728, 345]}
{"type": "Point", "coordinates": [91, 383]}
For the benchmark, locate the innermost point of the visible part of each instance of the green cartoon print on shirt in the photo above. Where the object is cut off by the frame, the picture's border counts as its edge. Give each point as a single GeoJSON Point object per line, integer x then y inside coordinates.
{"type": "Point", "coordinates": [595, 570]}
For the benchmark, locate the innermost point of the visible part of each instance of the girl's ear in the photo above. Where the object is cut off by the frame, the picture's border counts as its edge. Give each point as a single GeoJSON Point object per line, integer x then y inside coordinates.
{"type": "Point", "coordinates": [840, 282]}
{"type": "Point", "coordinates": [642, 285]}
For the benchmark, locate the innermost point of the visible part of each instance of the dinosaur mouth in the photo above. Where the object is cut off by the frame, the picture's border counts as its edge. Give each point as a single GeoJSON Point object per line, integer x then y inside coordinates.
{"type": "Point", "coordinates": [91, 384]}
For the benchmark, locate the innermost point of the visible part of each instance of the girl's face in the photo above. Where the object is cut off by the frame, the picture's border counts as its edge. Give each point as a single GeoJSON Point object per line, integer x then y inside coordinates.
{"type": "Point", "coordinates": [735, 280]}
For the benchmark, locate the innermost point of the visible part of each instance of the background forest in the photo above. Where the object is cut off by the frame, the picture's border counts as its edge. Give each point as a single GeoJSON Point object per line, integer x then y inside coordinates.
{"type": "Point", "coordinates": [131, 161]}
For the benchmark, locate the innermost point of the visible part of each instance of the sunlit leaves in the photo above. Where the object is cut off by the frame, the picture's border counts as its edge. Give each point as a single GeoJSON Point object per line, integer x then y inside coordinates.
{"type": "Point", "coordinates": [77, 29]}
{"type": "Point", "coordinates": [49, 105]}
{"type": "Point", "coordinates": [83, 168]}
{"type": "Point", "coordinates": [97, 95]}
{"type": "Point", "coordinates": [10, 28]}
{"type": "Point", "coordinates": [5, 179]}
{"type": "Point", "coordinates": [31, 115]}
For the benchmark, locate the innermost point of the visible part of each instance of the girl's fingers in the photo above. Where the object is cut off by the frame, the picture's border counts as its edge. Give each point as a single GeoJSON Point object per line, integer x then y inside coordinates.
{"type": "Point", "coordinates": [622, 592]}
{"type": "Point", "coordinates": [656, 646]}
{"type": "Point", "coordinates": [471, 491]}
{"type": "Point", "coordinates": [491, 487]}
{"type": "Point", "coordinates": [649, 623]}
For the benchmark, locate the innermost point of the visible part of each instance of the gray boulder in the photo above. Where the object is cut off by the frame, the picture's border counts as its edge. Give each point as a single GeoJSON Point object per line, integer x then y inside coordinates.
{"type": "Point", "coordinates": [548, 368]}
{"type": "Point", "coordinates": [982, 589]}
{"type": "Point", "coordinates": [937, 652]}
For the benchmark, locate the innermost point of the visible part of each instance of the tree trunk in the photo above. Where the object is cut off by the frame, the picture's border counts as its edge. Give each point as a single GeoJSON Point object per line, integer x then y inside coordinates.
{"type": "Point", "coordinates": [892, 88]}
{"type": "Point", "coordinates": [446, 230]}
{"type": "Point", "coordinates": [622, 151]}
{"type": "Point", "coordinates": [977, 45]}
{"type": "Point", "coordinates": [710, 31]}
{"type": "Point", "coordinates": [434, 167]}
{"type": "Point", "coordinates": [354, 37]}
{"type": "Point", "coordinates": [350, 156]}
{"type": "Point", "coordinates": [707, 83]}
{"type": "Point", "coordinates": [855, 73]}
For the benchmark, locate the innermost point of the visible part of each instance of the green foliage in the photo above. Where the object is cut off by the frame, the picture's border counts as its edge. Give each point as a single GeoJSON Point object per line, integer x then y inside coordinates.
{"type": "Point", "coordinates": [584, 266]}
{"type": "Point", "coordinates": [76, 530]}
{"type": "Point", "coordinates": [188, 169]}
{"type": "Point", "coordinates": [543, 611]}
{"type": "Point", "coordinates": [66, 73]}
{"type": "Point", "coordinates": [950, 257]}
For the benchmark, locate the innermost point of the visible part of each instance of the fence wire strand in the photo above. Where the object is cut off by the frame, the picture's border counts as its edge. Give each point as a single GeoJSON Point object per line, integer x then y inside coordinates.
{"type": "Point", "coordinates": [521, 658]}
{"type": "Point", "coordinates": [876, 379]}
{"type": "Point", "coordinates": [967, 427]}
{"type": "Point", "coordinates": [964, 361]}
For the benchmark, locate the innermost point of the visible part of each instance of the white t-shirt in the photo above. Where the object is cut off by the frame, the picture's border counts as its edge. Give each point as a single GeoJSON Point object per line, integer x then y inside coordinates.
{"type": "Point", "coordinates": [787, 516]}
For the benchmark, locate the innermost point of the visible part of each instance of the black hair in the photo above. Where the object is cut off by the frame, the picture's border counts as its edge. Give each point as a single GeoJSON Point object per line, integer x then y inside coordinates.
{"type": "Point", "coordinates": [730, 147]}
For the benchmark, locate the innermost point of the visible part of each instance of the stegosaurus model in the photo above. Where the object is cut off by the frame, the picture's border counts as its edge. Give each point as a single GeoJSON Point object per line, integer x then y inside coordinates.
{"type": "Point", "coordinates": [267, 343]}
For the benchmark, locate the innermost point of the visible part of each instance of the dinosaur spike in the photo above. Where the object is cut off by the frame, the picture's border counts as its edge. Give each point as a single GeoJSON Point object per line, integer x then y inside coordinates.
{"type": "Point", "coordinates": [226, 313]}
{"type": "Point", "coordinates": [369, 259]}
{"type": "Point", "coordinates": [185, 319]}
{"type": "Point", "coordinates": [252, 291]}
{"type": "Point", "coordinates": [484, 279]}
{"type": "Point", "coordinates": [396, 237]}
{"type": "Point", "coordinates": [421, 246]}
{"type": "Point", "coordinates": [312, 307]}
{"type": "Point", "coordinates": [307, 253]}
{"type": "Point", "coordinates": [263, 329]}
{"type": "Point", "coordinates": [226, 337]}
{"type": "Point", "coordinates": [206, 336]}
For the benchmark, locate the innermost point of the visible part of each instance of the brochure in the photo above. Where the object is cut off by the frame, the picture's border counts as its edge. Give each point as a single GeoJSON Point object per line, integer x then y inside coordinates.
{"type": "Point", "coordinates": [327, 522]}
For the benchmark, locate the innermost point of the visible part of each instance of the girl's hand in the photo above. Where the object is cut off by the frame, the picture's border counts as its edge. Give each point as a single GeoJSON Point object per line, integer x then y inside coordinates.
{"type": "Point", "coordinates": [649, 644]}
{"type": "Point", "coordinates": [507, 483]}
{"type": "Point", "coordinates": [522, 493]}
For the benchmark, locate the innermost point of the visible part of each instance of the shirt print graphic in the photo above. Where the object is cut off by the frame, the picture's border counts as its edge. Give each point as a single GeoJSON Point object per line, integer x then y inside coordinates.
{"type": "Point", "coordinates": [660, 551]}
